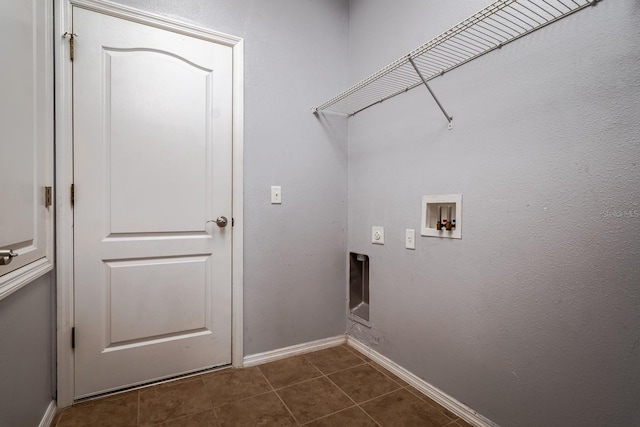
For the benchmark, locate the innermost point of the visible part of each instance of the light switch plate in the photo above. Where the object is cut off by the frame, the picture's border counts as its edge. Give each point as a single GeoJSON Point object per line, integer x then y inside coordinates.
{"type": "Point", "coordinates": [377, 235]}
{"type": "Point", "coordinates": [276, 195]}
{"type": "Point", "coordinates": [410, 239]}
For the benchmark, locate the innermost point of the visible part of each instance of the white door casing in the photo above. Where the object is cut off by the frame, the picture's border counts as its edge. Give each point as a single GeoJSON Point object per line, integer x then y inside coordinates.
{"type": "Point", "coordinates": [152, 164]}
{"type": "Point", "coordinates": [26, 141]}
{"type": "Point", "coordinates": [64, 176]}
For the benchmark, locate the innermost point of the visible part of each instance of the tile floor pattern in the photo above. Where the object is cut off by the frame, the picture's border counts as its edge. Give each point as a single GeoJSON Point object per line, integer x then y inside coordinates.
{"type": "Point", "coordinates": [332, 387]}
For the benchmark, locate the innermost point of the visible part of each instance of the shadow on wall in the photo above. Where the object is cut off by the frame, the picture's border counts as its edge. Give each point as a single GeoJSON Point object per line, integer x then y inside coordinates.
{"type": "Point", "coordinates": [335, 126]}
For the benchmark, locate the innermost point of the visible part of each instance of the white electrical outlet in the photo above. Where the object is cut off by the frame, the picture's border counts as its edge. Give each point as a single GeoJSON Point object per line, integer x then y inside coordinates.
{"type": "Point", "coordinates": [410, 238]}
{"type": "Point", "coordinates": [276, 195]}
{"type": "Point", "coordinates": [377, 235]}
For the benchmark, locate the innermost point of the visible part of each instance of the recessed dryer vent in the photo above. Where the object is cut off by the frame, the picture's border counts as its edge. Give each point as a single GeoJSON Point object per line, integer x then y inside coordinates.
{"type": "Point", "coordinates": [359, 286]}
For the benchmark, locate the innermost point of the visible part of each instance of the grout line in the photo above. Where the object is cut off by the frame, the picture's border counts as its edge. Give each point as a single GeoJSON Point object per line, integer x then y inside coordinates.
{"type": "Point", "coordinates": [243, 399]}
{"type": "Point", "coordinates": [345, 369]}
{"type": "Point", "coordinates": [328, 415]}
{"type": "Point", "coordinates": [300, 382]}
{"type": "Point", "coordinates": [356, 403]}
{"type": "Point", "coordinates": [378, 397]}
{"type": "Point", "coordinates": [195, 378]}
{"type": "Point", "coordinates": [369, 415]}
{"type": "Point", "coordinates": [357, 353]}
{"type": "Point", "coordinates": [388, 376]}
{"type": "Point", "coordinates": [320, 375]}
{"type": "Point", "coordinates": [138, 413]}
{"type": "Point", "coordinates": [304, 356]}
{"type": "Point", "coordinates": [280, 398]}
{"type": "Point", "coordinates": [349, 397]}
{"type": "Point", "coordinates": [213, 404]}
{"type": "Point", "coordinates": [215, 407]}
{"type": "Point", "coordinates": [181, 417]}
{"type": "Point", "coordinates": [446, 412]}
{"type": "Point", "coordinates": [265, 378]}
{"type": "Point", "coordinates": [343, 392]}
{"type": "Point", "coordinates": [340, 370]}
{"type": "Point", "coordinates": [215, 415]}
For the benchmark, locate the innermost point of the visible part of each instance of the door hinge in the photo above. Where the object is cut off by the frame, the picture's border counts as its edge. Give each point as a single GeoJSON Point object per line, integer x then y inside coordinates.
{"type": "Point", "coordinates": [47, 197]}
{"type": "Point", "coordinates": [72, 44]}
{"type": "Point", "coordinates": [233, 222]}
{"type": "Point", "coordinates": [73, 337]}
{"type": "Point", "coordinates": [73, 194]}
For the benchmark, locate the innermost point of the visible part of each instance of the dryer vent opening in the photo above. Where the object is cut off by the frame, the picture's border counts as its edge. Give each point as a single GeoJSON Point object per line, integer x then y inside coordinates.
{"type": "Point", "coordinates": [359, 285]}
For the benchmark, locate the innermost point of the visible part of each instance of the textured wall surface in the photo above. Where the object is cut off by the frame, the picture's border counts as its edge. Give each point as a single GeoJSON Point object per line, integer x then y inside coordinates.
{"type": "Point", "coordinates": [26, 366]}
{"type": "Point", "coordinates": [533, 318]}
{"type": "Point", "coordinates": [294, 253]}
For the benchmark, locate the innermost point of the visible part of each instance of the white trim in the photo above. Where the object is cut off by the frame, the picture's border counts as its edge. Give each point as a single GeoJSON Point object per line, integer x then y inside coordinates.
{"type": "Point", "coordinates": [157, 21]}
{"type": "Point", "coordinates": [458, 408]}
{"type": "Point", "coordinates": [64, 212]}
{"type": "Point", "coordinates": [294, 350]}
{"type": "Point", "coordinates": [49, 414]}
{"type": "Point", "coordinates": [237, 255]}
{"type": "Point", "coordinates": [21, 277]}
{"type": "Point", "coordinates": [64, 174]}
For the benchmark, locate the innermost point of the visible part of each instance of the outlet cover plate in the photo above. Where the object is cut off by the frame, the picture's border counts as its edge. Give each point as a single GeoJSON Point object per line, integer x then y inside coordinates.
{"type": "Point", "coordinates": [377, 235]}
{"type": "Point", "coordinates": [410, 238]}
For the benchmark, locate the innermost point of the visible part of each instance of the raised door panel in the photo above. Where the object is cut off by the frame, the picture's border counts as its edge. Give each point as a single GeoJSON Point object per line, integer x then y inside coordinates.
{"type": "Point", "coordinates": [158, 141]}
{"type": "Point", "coordinates": [156, 298]}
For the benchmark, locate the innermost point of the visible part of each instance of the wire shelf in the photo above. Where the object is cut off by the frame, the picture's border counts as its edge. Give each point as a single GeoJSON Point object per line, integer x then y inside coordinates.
{"type": "Point", "coordinates": [493, 27]}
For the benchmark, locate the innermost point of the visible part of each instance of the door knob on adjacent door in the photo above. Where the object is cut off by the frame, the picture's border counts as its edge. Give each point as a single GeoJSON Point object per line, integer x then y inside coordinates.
{"type": "Point", "coordinates": [222, 221]}
{"type": "Point", "coordinates": [6, 256]}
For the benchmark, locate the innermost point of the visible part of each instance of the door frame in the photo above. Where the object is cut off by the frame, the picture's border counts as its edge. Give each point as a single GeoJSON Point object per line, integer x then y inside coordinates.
{"type": "Point", "coordinates": [64, 175]}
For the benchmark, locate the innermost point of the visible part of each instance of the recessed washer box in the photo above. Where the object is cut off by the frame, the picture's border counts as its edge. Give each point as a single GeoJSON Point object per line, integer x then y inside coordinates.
{"type": "Point", "coordinates": [438, 208]}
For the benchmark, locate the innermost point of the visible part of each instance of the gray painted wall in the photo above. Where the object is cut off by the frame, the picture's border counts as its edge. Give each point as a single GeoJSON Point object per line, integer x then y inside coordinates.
{"type": "Point", "coordinates": [26, 364]}
{"type": "Point", "coordinates": [294, 253]}
{"type": "Point", "coordinates": [533, 318]}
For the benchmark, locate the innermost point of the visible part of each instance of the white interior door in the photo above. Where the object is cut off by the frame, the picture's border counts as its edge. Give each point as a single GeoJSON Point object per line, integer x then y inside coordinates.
{"type": "Point", "coordinates": [152, 164]}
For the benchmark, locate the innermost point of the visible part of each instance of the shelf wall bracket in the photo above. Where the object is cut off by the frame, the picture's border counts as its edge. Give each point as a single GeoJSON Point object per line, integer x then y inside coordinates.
{"type": "Point", "coordinates": [435, 98]}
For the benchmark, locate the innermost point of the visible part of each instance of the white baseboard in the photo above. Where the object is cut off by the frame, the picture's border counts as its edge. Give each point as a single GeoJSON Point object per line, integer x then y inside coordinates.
{"type": "Point", "coordinates": [294, 350]}
{"type": "Point", "coordinates": [49, 414]}
{"type": "Point", "coordinates": [458, 408]}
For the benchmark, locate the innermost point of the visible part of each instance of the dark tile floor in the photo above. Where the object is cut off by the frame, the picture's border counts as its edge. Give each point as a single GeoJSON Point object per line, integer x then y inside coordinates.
{"type": "Point", "coordinates": [333, 387]}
